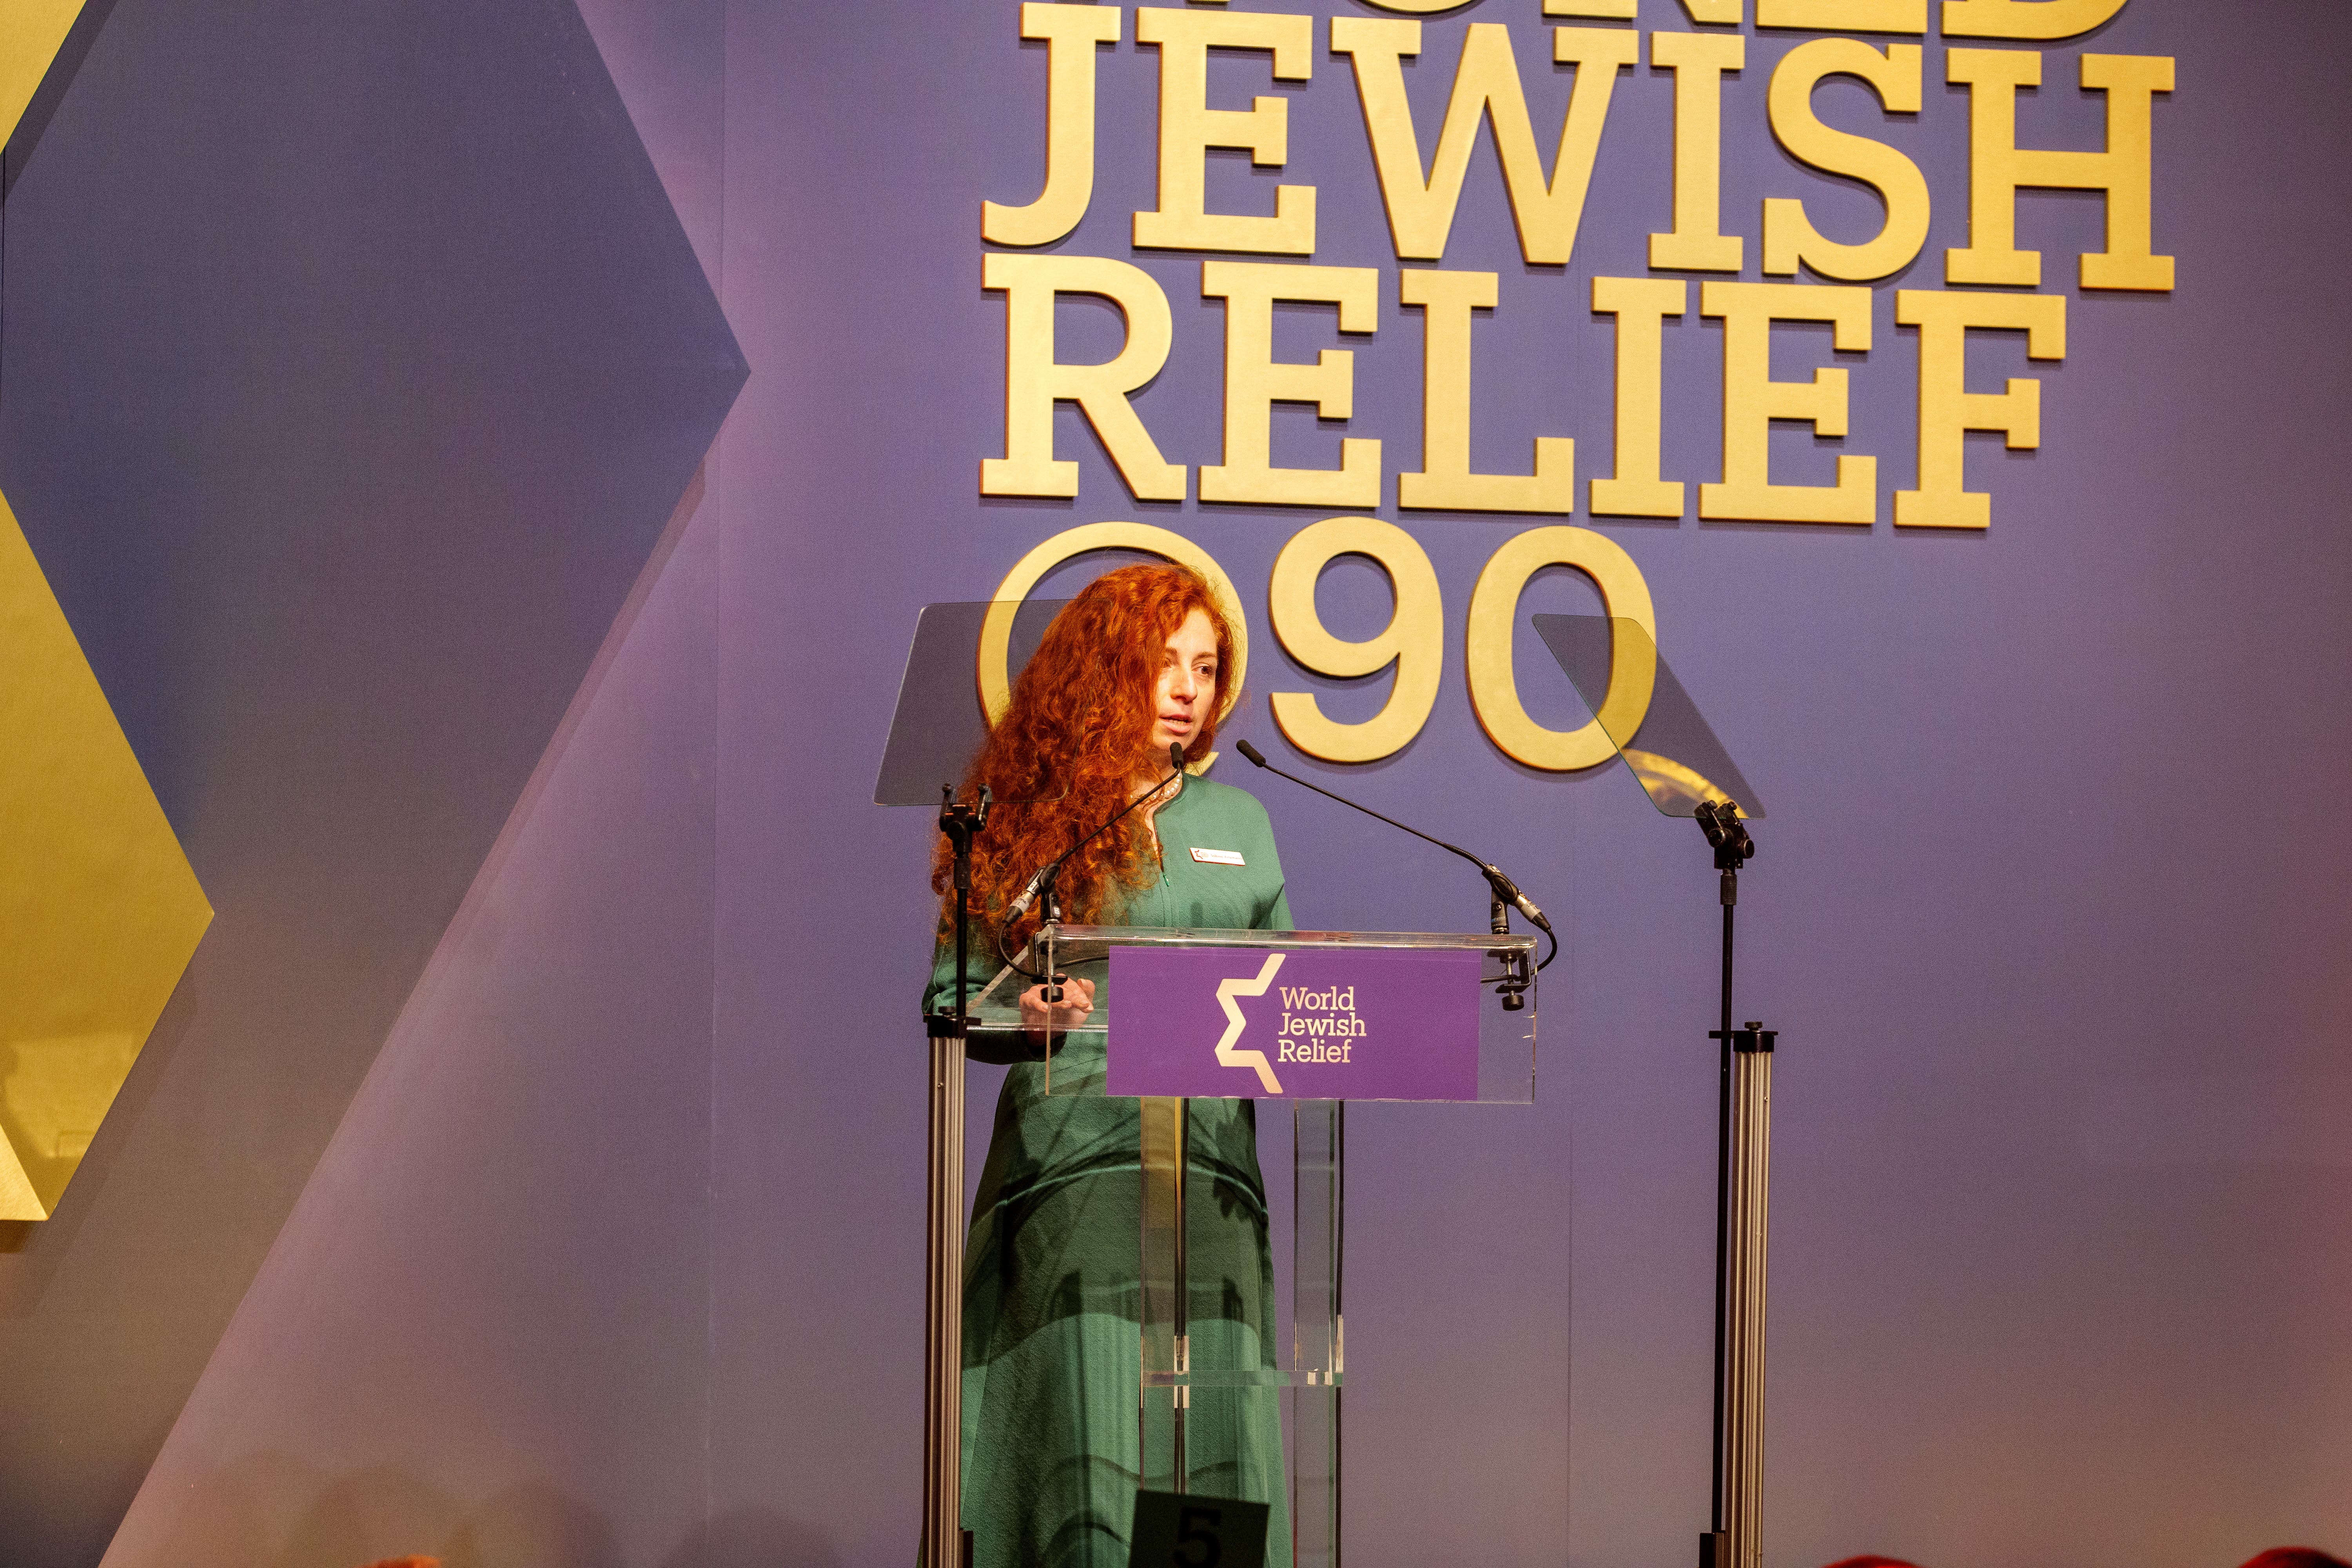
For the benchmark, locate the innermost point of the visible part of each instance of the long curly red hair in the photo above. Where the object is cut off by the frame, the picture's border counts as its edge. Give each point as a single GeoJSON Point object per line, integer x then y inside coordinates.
{"type": "Point", "coordinates": [1077, 729]}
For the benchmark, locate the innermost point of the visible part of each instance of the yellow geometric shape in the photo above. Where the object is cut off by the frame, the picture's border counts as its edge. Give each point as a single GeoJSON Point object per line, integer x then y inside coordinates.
{"type": "Point", "coordinates": [31, 32]}
{"type": "Point", "coordinates": [99, 912]}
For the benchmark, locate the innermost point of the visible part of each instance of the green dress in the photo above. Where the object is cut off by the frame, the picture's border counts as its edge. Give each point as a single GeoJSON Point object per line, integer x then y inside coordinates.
{"type": "Point", "coordinates": [1052, 1299]}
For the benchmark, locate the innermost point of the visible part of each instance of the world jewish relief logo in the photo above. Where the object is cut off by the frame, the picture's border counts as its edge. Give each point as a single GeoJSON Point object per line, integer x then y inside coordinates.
{"type": "Point", "coordinates": [1228, 1053]}
{"type": "Point", "coordinates": [1317, 1025]}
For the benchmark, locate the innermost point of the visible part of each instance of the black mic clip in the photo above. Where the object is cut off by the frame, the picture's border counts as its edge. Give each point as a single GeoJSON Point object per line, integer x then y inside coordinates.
{"type": "Point", "coordinates": [1511, 990]}
{"type": "Point", "coordinates": [1727, 834]}
{"type": "Point", "coordinates": [961, 821]}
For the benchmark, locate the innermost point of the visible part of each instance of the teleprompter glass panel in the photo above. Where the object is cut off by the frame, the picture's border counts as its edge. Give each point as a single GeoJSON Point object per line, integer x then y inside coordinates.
{"type": "Point", "coordinates": [937, 728]}
{"type": "Point", "coordinates": [1647, 715]}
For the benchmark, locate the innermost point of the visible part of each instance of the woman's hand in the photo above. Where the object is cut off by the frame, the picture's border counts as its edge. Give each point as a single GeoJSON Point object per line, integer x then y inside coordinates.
{"type": "Point", "coordinates": [1077, 1000]}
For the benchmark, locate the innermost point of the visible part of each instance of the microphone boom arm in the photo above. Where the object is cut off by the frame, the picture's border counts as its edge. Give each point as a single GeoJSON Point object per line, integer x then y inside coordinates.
{"type": "Point", "coordinates": [1505, 890]}
{"type": "Point", "coordinates": [1042, 882]}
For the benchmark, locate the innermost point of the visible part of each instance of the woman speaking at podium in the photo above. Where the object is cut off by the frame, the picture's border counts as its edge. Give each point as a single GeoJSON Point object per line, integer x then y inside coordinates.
{"type": "Point", "coordinates": [1051, 1295]}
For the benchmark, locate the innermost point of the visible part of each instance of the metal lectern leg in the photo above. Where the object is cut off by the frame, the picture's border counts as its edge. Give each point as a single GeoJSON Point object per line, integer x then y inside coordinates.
{"type": "Point", "coordinates": [1166, 1394]}
{"type": "Point", "coordinates": [1751, 1182]}
{"type": "Point", "coordinates": [943, 1541]}
{"type": "Point", "coordinates": [1318, 1352]}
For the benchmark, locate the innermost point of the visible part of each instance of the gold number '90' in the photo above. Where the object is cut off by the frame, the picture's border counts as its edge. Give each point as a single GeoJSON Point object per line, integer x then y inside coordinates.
{"type": "Point", "coordinates": [1413, 640]}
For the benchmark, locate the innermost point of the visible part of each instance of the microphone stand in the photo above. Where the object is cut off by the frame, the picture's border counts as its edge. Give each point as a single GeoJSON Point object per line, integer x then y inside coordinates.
{"type": "Point", "coordinates": [946, 1543]}
{"type": "Point", "coordinates": [1743, 1174]}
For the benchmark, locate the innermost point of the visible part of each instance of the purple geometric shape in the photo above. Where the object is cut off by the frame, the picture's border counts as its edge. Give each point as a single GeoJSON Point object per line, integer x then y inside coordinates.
{"type": "Point", "coordinates": [1357, 1025]}
{"type": "Point", "coordinates": [353, 363]}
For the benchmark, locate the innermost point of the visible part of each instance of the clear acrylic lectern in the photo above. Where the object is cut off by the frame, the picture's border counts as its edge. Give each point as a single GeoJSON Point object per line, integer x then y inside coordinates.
{"type": "Point", "coordinates": [1184, 1379]}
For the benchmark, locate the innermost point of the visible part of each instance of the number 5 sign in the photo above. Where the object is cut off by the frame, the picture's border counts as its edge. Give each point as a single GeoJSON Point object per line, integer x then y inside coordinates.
{"type": "Point", "coordinates": [1173, 1530]}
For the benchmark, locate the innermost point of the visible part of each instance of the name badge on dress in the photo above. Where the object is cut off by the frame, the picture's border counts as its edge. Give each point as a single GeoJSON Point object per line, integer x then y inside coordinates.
{"type": "Point", "coordinates": [1220, 856]}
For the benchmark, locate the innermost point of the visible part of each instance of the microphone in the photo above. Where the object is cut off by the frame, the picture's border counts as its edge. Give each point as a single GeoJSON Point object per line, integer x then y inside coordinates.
{"type": "Point", "coordinates": [1045, 877]}
{"type": "Point", "coordinates": [1504, 888]}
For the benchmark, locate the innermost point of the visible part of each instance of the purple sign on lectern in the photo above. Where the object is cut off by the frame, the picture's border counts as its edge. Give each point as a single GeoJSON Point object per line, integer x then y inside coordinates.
{"type": "Point", "coordinates": [1297, 1023]}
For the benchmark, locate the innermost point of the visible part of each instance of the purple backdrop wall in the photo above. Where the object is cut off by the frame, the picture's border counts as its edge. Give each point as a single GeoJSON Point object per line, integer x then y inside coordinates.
{"type": "Point", "coordinates": [2043, 910]}
{"type": "Point", "coordinates": [2032, 1301]}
